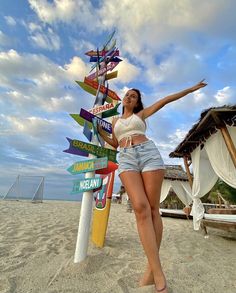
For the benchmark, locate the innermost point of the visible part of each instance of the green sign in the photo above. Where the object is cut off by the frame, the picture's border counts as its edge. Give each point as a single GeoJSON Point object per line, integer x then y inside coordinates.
{"type": "Point", "coordinates": [88, 165]}
{"type": "Point", "coordinates": [81, 120]}
{"type": "Point", "coordinates": [94, 150]}
{"type": "Point", "coordinates": [86, 185]}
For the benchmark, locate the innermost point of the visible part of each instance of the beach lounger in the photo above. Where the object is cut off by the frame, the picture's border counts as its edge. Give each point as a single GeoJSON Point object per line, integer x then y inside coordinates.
{"type": "Point", "coordinates": [219, 221]}
{"type": "Point", "coordinates": [174, 213]}
{"type": "Point", "coordinates": [229, 211]}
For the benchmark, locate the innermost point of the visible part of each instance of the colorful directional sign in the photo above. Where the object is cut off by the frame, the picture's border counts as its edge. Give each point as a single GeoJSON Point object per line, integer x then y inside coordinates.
{"type": "Point", "coordinates": [87, 88]}
{"type": "Point", "coordinates": [103, 70]}
{"type": "Point", "coordinates": [101, 53]}
{"type": "Point", "coordinates": [110, 95]}
{"type": "Point", "coordinates": [111, 112]}
{"type": "Point", "coordinates": [100, 109]}
{"type": "Point", "coordinates": [89, 117]}
{"type": "Point", "coordinates": [86, 185]}
{"type": "Point", "coordinates": [101, 194]}
{"type": "Point", "coordinates": [89, 166]}
{"type": "Point", "coordinates": [107, 57]}
{"type": "Point", "coordinates": [94, 84]}
{"type": "Point", "coordinates": [81, 120]}
{"type": "Point", "coordinates": [100, 216]}
{"type": "Point", "coordinates": [96, 59]}
{"type": "Point", "coordinates": [106, 110]}
{"type": "Point", "coordinates": [75, 151]}
{"type": "Point", "coordinates": [90, 149]}
{"type": "Point", "coordinates": [111, 75]}
{"type": "Point", "coordinates": [111, 167]}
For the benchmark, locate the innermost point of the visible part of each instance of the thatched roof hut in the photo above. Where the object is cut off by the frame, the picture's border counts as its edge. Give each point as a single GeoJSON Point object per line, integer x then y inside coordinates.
{"type": "Point", "coordinates": [175, 172]}
{"type": "Point", "coordinates": [210, 147]}
{"type": "Point", "coordinates": [210, 121]}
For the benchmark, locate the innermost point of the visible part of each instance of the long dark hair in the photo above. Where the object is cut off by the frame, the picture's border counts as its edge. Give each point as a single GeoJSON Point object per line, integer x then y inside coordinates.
{"type": "Point", "coordinates": [139, 107]}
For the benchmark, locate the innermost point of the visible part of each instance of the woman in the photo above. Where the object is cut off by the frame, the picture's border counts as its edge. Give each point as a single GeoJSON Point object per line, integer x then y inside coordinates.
{"type": "Point", "coordinates": [141, 170]}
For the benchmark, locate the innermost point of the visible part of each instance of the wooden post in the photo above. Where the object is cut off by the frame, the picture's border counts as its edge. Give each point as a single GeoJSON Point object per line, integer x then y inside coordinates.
{"type": "Point", "coordinates": [190, 178]}
{"type": "Point", "coordinates": [229, 143]}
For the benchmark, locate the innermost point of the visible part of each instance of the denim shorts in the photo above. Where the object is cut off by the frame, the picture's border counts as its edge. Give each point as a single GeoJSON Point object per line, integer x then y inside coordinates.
{"type": "Point", "coordinates": [140, 157]}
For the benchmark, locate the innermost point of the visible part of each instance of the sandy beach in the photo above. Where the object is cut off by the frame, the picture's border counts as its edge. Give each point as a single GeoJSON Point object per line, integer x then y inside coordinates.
{"type": "Point", "coordinates": [37, 243]}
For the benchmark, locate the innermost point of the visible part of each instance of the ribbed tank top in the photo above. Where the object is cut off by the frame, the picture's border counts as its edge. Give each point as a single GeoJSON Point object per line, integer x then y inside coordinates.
{"type": "Point", "coordinates": [126, 127]}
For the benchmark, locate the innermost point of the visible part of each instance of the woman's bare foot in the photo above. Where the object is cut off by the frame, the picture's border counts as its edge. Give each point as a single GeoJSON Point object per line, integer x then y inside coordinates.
{"type": "Point", "coordinates": [161, 287]}
{"type": "Point", "coordinates": [147, 279]}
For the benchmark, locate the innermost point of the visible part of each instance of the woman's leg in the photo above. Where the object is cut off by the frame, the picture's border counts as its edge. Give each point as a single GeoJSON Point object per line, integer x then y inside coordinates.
{"type": "Point", "coordinates": [152, 181]}
{"type": "Point", "coordinates": [134, 185]}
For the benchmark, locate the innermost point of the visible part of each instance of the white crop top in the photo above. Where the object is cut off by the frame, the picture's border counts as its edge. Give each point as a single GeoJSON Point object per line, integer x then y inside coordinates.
{"type": "Point", "coordinates": [126, 127]}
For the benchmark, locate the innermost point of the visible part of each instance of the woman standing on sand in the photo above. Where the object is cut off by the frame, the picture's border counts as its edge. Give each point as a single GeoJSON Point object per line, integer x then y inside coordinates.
{"type": "Point", "coordinates": [141, 170]}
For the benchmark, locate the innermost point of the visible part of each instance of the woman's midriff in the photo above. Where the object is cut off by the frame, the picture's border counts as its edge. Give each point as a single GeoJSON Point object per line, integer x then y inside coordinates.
{"type": "Point", "coordinates": [135, 139]}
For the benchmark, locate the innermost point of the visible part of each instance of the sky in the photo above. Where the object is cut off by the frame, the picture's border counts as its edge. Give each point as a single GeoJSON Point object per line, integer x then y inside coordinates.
{"type": "Point", "coordinates": [166, 46]}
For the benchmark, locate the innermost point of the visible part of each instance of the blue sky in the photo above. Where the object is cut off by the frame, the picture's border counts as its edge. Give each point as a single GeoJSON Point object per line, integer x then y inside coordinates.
{"type": "Point", "coordinates": [166, 46]}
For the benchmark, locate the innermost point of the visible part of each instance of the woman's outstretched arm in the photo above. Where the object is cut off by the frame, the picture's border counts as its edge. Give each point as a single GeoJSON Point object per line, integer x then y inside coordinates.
{"type": "Point", "coordinates": [168, 99]}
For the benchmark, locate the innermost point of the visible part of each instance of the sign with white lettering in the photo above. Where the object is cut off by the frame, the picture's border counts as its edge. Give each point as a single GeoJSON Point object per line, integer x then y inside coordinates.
{"type": "Point", "coordinates": [100, 53]}
{"type": "Point", "coordinates": [101, 109]}
{"type": "Point", "coordinates": [103, 123]}
{"type": "Point", "coordinates": [88, 165]}
{"type": "Point", "coordinates": [83, 147]}
{"type": "Point", "coordinates": [103, 70]}
{"type": "Point", "coordinates": [94, 84]}
{"type": "Point", "coordinates": [86, 185]}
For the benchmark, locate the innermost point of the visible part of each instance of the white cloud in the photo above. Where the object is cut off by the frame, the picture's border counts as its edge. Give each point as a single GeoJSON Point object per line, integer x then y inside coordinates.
{"type": "Point", "coordinates": [34, 126]}
{"type": "Point", "coordinates": [81, 46]}
{"type": "Point", "coordinates": [127, 72]}
{"type": "Point", "coordinates": [77, 69]}
{"type": "Point", "coordinates": [223, 96]}
{"type": "Point", "coordinates": [35, 83]}
{"type": "Point", "coordinates": [177, 136]}
{"type": "Point", "coordinates": [66, 11]}
{"type": "Point", "coordinates": [4, 39]}
{"type": "Point", "coordinates": [199, 96]}
{"type": "Point", "coordinates": [47, 40]}
{"type": "Point", "coordinates": [10, 20]}
{"type": "Point", "coordinates": [33, 27]}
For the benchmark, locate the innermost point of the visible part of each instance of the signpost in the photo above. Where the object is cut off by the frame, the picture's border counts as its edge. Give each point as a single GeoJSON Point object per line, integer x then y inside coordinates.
{"type": "Point", "coordinates": [102, 160]}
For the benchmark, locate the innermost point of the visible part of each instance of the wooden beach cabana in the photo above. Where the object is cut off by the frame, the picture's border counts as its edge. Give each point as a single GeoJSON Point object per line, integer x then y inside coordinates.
{"type": "Point", "coordinates": [210, 147]}
{"type": "Point", "coordinates": [176, 179]}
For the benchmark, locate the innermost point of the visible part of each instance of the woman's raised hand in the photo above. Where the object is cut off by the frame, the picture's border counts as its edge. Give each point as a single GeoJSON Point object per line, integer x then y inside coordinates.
{"type": "Point", "coordinates": [199, 85]}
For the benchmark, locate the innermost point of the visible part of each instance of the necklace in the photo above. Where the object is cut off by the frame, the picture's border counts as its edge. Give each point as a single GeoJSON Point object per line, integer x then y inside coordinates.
{"type": "Point", "coordinates": [126, 121]}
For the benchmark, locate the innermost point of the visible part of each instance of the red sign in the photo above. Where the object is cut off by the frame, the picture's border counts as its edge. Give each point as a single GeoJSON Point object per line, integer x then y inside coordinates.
{"type": "Point", "coordinates": [94, 84]}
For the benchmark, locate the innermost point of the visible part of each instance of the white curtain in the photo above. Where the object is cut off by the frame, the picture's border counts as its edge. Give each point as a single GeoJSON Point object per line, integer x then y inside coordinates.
{"type": "Point", "coordinates": [204, 179]}
{"type": "Point", "coordinates": [179, 189]}
{"type": "Point", "coordinates": [220, 158]}
{"type": "Point", "coordinates": [166, 185]}
{"type": "Point", "coordinates": [188, 190]}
